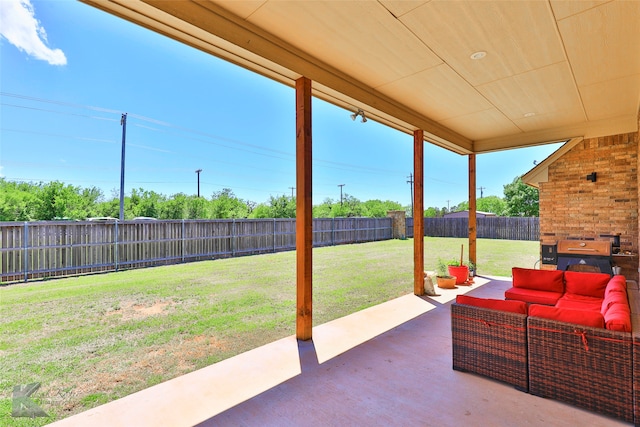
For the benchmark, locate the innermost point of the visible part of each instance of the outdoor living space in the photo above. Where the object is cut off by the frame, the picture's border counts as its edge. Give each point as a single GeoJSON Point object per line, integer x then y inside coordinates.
{"type": "Point", "coordinates": [386, 365]}
{"type": "Point", "coordinates": [417, 67]}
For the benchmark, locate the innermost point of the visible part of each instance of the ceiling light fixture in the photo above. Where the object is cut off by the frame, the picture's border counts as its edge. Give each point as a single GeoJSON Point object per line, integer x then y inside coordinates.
{"type": "Point", "coordinates": [478, 55]}
{"type": "Point", "coordinates": [359, 113]}
{"type": "Point", "coordinates": [529, 114]}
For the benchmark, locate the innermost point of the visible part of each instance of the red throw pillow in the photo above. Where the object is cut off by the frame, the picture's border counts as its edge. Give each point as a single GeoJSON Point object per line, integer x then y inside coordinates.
{"type": "Point", "coordinates": [613, 298]}
{"type": "Point", "coordinates": [588, 284]}
{"type": "Point", "coordinates": [615, 289]}
{"type": "Point", "coordinates": [579, 317]}
{"type": "Point", "coordinates": [616, 284]}
{"type": "Point", "coordinates": [618, 318]}
{"type": "Point", "coordinates": [542, 280]}
{"type": "Point", "coordinates": [493, 304]}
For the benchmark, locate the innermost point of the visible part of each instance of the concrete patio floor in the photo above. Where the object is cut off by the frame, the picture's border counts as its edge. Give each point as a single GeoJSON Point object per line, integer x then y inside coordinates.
{"type": "Point", "coordinates": [389, 365]}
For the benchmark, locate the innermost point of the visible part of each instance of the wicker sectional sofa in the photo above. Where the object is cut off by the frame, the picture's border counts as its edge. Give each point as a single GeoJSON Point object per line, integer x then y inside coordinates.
{"type": "Point", "coordinates": [571, 348]}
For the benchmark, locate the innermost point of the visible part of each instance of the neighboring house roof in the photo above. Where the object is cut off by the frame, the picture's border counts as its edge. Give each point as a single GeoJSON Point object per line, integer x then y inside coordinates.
{"type": "Point", "coordinates": [465, 214]}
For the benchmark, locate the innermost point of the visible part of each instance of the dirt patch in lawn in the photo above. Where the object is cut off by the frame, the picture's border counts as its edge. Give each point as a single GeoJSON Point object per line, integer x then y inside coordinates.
{"type": "Point", "coordinates": [131, 310]}
{"type": "Point", "coordinates": [114, 377]}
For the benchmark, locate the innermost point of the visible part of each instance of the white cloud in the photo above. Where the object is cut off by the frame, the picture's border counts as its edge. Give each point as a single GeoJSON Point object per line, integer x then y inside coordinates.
{"type": "Point", "coordinates": [20, 27]}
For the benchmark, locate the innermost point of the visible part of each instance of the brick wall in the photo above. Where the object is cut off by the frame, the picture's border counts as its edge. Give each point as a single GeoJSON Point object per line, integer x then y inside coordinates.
{"type": "Point", "coordinates": [573, 207]}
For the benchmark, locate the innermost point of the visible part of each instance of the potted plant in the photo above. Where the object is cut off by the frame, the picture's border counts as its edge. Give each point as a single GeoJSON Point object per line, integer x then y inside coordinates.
{"type": "Point", "coordinates": [472, 269]}
{"type": "Point", "coordinates": [459, 271]}
{"type": "Point", "coordinates": [444, 279]}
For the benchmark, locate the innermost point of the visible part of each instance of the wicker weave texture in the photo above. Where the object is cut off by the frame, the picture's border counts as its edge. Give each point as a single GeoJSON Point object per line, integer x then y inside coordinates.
{"type": "Point", "coordinates": [490, 343]}
{"type": "Point", "coordinates": [634, 303]}
{"type": "Point", "coordinates": [586, 367]}
{"type": "Point", "coordinates": [636, 379]}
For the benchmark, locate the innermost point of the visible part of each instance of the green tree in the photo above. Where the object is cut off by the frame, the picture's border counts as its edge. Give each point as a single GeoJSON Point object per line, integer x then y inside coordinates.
{"type": "Point", "coordinates": [350, 207]}
{"type": "Point", "coordinates": [261, 211]}
{"type": "Point", "coordinates": [109, 208]}
{"type": "Point", "coordinates": [89, 199]}
{"type": "Point", "coordinates": [324, 209]}
{"type": "Point", "coordinates": [56, 200]}
{"type": "Point", "coordinates": [282, 207]}
{"type": "Point", "coordinates": [493, 204]}
{"type": "Point", "coordinates": [175, 207]}
{"type": "Point", "coordinates": [46, 201]}
{"type": "Point", "coordinates": [224, 204]}
{"type": "Point", "coordinates": [144, 203]}
{"type": "Point", "coordinates": [378, 208]}
{"type": "Point", "coordinates": [196, 207]}
{"type": "Point", "coordinates": [521, 199]}
{"type": "Point", "coordinates": [432, 212]}
{"type": "Point", "coordinates": [18, 201]}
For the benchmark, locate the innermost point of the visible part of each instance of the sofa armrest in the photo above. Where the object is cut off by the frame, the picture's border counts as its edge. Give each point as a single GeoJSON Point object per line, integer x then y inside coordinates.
{"type": "Point", "coordinates": [490, 342]}
{"type": "Point", "coordinates": [633, 296]}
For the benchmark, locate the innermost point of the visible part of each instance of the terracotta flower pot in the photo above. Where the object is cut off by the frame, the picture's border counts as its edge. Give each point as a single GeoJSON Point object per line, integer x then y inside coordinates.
{"type": "Point", "coordinates": [461, 273]}
{"type": "Point", "coordinates": [446, 282]}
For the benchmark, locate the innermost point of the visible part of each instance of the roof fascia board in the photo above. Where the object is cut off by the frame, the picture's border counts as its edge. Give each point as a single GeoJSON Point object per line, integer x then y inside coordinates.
{"type": "Point", "coordinates": [595, 129]}
{"type": "Point", "coordinates": [540, 173]}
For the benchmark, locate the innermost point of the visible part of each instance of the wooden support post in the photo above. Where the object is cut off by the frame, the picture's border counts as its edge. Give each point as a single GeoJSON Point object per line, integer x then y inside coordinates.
{"type": "Point", "coordinates": [418, 212]}
{"type": "Point", "coordinates": [472, 208]}
{"type": "Point", "coordinates": [304, 217]}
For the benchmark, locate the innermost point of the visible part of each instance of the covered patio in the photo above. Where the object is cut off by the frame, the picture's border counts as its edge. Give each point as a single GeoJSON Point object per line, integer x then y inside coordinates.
{"type": "Point", "coordinates": [471, 77]}
{"type": "Point", "coordinates": [387, 365]}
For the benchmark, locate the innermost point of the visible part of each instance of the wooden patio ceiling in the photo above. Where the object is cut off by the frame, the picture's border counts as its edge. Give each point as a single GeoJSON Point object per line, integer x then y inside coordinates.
{"type": "Point", "coordinates": [552, 70]}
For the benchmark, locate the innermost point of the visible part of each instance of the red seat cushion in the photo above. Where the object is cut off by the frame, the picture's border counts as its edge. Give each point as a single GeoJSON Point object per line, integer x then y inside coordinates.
{"type": "Point", "coordinates": [493, 304]}
{"type": "Point", "coordinates": [542, 280]}
{"type": "Point", "coordinates": [588, 284]}
{"type": "Point", "coordinates": [532, 296]}
{"type": "Point", "coordinates": [580, 302]}
{"type": "Point", "coordinates": [579, 317]}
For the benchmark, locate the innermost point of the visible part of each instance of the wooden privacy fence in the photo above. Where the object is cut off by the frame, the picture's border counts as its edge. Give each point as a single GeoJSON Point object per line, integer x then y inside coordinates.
{"type": "Point", "coordinates": [35, 250]}
{"type": "Point", "coordinates": [493, 227]}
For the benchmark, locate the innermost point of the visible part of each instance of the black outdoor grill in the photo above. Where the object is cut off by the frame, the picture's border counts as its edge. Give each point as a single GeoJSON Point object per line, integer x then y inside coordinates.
{"type": "Point", "coordinates": [585, 255]}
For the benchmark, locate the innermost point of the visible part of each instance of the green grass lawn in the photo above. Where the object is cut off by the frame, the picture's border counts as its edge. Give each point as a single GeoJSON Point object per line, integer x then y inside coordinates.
{"type": "Point", "coordinates": [92, 339]}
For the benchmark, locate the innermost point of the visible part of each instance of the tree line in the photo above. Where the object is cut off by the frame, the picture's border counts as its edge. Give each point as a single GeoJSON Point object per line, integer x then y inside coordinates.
{"type": "Point", "coordinates": [519, 200]}
{"type": "Point", "coordinates": [22, 201]}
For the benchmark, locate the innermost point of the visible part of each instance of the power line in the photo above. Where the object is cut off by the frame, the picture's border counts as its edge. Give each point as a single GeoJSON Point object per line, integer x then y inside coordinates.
{"type": "Point", "coordinates": [58, 112]}
{"type": "Point", "coordinates": [156, 125]}
{"type": "Point", "coordinates": [289, 156]}
{"type": "Point", "coordinates": [66, 104]}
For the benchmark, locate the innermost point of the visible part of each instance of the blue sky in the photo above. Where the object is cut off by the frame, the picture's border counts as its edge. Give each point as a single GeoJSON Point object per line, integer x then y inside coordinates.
{"type": "Point", "coordinates": [69, 71]}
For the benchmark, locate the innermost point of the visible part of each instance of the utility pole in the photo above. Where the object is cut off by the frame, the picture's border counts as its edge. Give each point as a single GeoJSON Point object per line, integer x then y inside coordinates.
{"type": "Point", "coordinates": [340, 185]}
{"type": "Point", "coordinates": [410, 182]}
{"type": "Point", "coordinates": [198, 172]}
{"type": "Point", "coordinates": [123, 123]}
{"type": "Point", "coordinates": [448, 208]}
{"type": "Point", "coordinates": [292, 188]}
{"type": "Point", "coordinates": [481, 188]}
